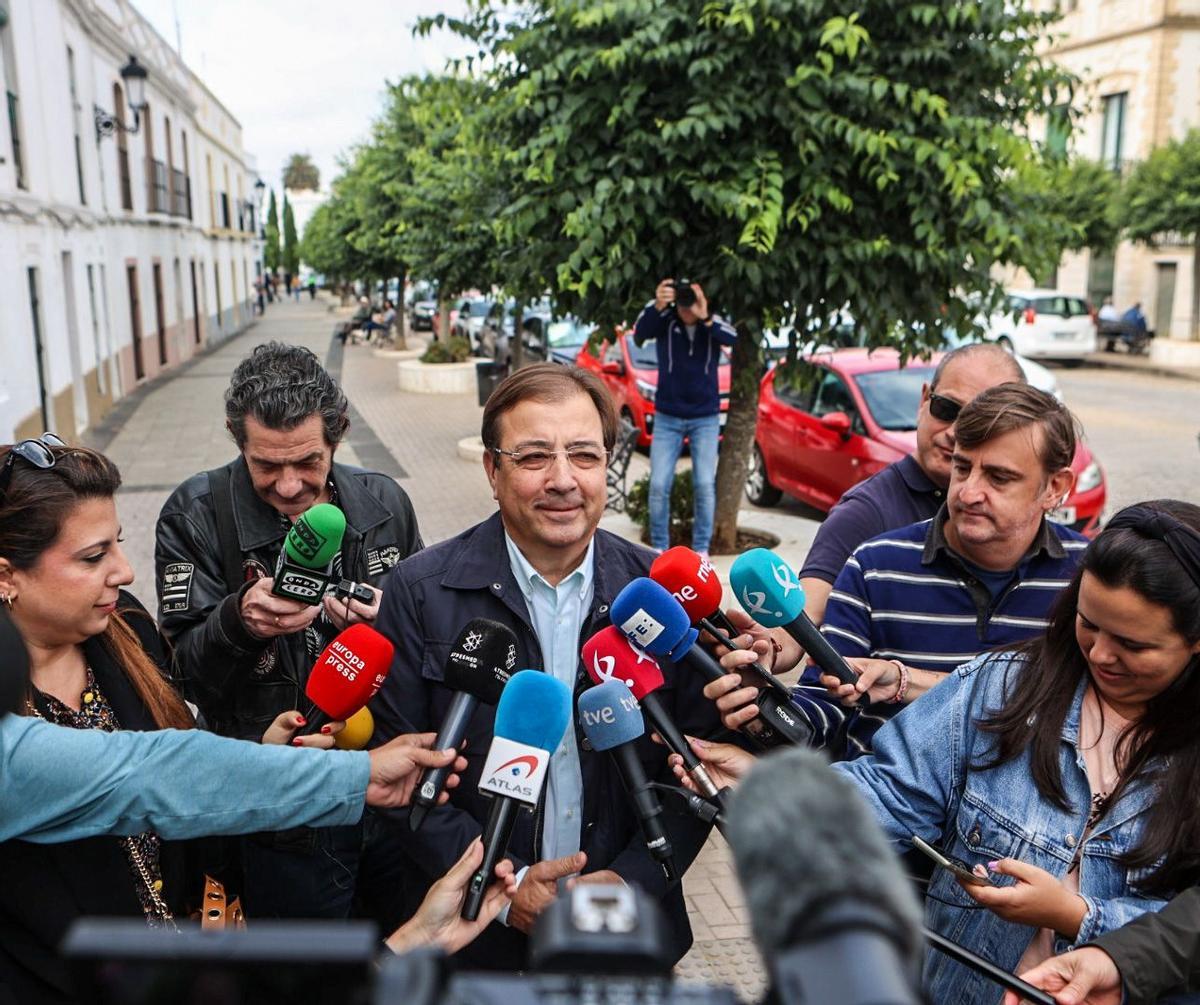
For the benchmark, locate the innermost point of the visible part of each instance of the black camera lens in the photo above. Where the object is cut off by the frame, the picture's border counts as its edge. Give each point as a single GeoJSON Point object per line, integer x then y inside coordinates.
{"type": "Point", "coordinates": [685, 296]}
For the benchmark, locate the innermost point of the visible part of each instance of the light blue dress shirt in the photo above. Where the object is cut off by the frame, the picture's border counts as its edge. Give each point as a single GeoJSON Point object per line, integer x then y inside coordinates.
{"type": "Point", "coordinates": [558, 614]}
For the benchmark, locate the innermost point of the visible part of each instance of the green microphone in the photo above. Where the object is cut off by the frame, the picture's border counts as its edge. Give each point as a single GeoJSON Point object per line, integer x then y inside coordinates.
{"type": "Point", "coordinates": [304, 570]}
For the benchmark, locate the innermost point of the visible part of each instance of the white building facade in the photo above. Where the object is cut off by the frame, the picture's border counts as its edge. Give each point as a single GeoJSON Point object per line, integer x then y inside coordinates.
{"type": "Point", "coordinates": [122, 252]}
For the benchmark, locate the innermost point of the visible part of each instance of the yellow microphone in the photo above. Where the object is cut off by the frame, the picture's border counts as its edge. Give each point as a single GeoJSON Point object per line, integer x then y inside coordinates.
{"type": "Point", "coordinates": [357, 732]}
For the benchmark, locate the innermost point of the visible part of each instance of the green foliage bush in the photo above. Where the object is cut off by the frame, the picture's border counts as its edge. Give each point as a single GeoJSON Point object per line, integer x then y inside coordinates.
{"type": "Point", "coordinates": [456, 350]}
{"type": "Point", "coordinates": [683, 507]}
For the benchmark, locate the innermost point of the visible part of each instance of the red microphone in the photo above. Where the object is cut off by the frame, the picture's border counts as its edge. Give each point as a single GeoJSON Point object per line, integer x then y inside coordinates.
{"type": "Point", "coordinates": [347, 675]}
{"type": "Point", "coordinates": [609, 655]}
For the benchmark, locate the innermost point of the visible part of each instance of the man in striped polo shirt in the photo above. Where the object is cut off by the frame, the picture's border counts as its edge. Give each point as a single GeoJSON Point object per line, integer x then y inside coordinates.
{"type": "Point", "coordinates": [914, 603]}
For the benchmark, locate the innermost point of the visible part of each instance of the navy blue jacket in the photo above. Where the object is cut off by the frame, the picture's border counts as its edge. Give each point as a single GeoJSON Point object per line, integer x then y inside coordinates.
{"type": "Point", "coordinates": [687, 367]}
{"type": "Point", "coordinates": [427, 599]}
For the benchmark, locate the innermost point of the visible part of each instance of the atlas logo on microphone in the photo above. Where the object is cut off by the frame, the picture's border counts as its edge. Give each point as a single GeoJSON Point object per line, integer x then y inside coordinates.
{"type": "Point", "coordinates": [514, 769]}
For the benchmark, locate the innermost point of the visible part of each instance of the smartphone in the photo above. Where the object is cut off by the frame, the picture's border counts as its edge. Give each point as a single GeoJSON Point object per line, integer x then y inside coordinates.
{"type": "Point", "coordinates": [960, 869]}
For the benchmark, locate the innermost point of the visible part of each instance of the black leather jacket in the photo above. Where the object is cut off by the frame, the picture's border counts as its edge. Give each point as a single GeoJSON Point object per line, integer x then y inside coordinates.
{"type": "Point", "coordinates": [241, 682]}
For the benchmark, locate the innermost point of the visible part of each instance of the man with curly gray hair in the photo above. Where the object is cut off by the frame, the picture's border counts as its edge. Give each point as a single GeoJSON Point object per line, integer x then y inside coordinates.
{"type": "Point", "coordinates": [244, 655]}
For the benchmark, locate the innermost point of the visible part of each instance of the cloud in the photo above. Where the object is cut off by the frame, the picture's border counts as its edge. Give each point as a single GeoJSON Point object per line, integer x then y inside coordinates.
{"type": "Point", "coordinates": [303, 75]}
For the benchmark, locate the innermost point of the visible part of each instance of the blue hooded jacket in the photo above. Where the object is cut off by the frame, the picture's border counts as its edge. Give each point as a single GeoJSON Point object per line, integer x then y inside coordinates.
{"type": "Point", "coordinates": [687, 364]}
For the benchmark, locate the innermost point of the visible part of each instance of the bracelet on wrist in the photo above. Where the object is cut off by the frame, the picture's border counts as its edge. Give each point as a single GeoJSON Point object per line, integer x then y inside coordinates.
{"type": "Point", "coordinates": [902, 686]}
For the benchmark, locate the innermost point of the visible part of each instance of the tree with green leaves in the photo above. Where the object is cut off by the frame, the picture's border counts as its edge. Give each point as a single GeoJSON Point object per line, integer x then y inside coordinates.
{"type": "Point", "coordinates": [790, 156]}
{"type": "Point", "coordinates": [1077, 203]}
{"type": "Point", "coordinates": [1161, 205]}
{"type": "Point", "coordinates": [271, 253]}
{"type": "Point", "coordinates": [291, 248]}
{"type": "Point", "coordinates": [300, 174]}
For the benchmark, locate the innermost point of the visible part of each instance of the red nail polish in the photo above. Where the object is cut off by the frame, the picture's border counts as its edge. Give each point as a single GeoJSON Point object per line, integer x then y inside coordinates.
{"type": "Point", "coordinates": [297, 742]}
{"type": "Point", "coordinates": [301, 721]}
{"type": "Point", "coordinates": [326, 730]}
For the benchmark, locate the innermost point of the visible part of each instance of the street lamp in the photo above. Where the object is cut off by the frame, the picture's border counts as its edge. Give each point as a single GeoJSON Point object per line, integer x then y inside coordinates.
{"type": "Point", "coordinates": [134, 75]}
{"type": "Point", "coordinates": [260, 188]}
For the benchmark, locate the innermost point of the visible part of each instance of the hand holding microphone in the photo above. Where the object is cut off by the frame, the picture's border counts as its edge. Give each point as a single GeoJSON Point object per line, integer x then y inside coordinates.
{"type": "Point", "coordinates": [305, 567]}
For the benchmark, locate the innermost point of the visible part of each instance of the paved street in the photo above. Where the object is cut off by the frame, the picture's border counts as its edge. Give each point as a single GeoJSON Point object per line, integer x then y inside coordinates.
{"type": "Point", "coordinates": [1143, 427]}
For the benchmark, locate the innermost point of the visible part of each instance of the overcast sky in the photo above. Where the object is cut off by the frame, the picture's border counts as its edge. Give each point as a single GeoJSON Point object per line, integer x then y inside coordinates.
{"type": "Point", "coordinates": [302, 76]}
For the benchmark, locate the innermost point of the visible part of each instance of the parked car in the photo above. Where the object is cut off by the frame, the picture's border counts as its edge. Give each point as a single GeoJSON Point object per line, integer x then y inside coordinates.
{"type": "Point", "coordinates": [472, 312]}
{"type": "Point", "coordinates": [557, 340]}
{"type": "Point", "coordinates": [424, 315]}
{"type": "Point", "coordinates": [842, 415]}
{"type": "Point", "coordinates": [630, 372]}
{"type": "Point", "coordinates": [1045, 324]}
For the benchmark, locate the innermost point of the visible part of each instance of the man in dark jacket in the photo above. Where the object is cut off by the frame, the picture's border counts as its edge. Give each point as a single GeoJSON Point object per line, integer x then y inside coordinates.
{"type": "Point", "coordinates": [687, 402]}
{"type": "Point", "coordinates": [543, 568]}
{"type": "Point", "coordinates": [243, 653]}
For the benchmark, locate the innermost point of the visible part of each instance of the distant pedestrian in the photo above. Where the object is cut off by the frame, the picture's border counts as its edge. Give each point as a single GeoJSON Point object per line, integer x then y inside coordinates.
{"type": "Point", "coordinates": [312, 289]}
{"type": "Point", "coordinates": [1136, 318]}
{"type": "Point", "coordinates": [296, 288]}
{"type": "Point", "coordinates": [259, 299]}
{"type": "Point", "coordinates": [1108, 312]}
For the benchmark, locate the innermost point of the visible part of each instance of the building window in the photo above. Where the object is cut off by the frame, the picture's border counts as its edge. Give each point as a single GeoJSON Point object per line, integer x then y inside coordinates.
{"type": "Point", "coordinates": [122, 149]}
{"type": "Point", "coordinates": [12, 103]}
{"type": "Point", "coordinates": [1112, 140]}
{"type": "Point", "coordinates": [184, 190]}
{"type": "Point", "coordinates": [75, 124]}
{"type": "Point", "coordinates": [156, 171]}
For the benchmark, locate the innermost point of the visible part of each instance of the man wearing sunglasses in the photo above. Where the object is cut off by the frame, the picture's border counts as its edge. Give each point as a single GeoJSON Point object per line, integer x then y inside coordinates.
{"type": "Point", "coordinates": [913, 488]}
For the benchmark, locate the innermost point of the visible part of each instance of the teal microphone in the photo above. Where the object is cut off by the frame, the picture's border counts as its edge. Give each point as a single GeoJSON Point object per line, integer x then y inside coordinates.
{"type": "Point", "coordinates": [305, 568]}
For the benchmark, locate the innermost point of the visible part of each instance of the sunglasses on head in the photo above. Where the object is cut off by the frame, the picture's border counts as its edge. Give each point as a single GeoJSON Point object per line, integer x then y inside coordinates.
{"type": "Point", "coordinates": [942, 408]}
{"type": "Point", "coordinates": [37, 452]}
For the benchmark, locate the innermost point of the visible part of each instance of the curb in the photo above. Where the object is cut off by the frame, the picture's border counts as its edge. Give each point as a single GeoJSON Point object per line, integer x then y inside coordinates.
{"type": "Point", "coordinates": [1112, 361]}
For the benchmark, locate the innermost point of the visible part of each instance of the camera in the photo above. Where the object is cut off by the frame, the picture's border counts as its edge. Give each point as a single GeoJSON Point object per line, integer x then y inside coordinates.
{"type": "Point", "coordinates": [345, 589]}
{"type": "Point", "coordinates": [685, 296]}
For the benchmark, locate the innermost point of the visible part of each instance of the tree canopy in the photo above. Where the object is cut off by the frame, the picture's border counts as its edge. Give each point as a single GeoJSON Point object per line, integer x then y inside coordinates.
{"type": "Point", "coordinates": [291, 246]}
{"type": "Point", "coordinates": [301, 173]}
{"type": "Point", "coordinates": [271, 255]}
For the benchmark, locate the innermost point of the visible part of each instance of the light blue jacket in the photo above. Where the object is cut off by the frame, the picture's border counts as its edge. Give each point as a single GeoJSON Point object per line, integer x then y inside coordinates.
{"type": "Point", "coordinates": [920, 780]}
{"type": "Point", "coordinates": [59, 784]}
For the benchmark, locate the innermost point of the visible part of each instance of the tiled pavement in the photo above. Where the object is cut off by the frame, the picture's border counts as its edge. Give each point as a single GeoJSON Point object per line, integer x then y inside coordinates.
{"type": "Point", "coordinates": [175, 427]}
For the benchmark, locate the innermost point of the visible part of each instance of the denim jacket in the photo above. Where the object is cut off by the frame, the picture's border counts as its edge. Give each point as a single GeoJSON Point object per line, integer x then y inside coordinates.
{"type": "Point", "coordinates": [920, 780]}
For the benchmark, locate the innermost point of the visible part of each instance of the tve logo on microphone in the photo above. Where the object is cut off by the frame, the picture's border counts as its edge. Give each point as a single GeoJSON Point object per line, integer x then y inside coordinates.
{"type": "Point", "coordinates": [514, 769]}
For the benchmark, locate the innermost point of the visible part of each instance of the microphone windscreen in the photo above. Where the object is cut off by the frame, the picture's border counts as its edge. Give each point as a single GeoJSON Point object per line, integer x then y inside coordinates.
{"type": "Point", "coordinates": [651, 618]}
{"type": "Point", "coordinates": [14, 665]}
{"type": "Point", "coordinates": [610, 715]}
{"type": "Point", "coordinates": [357, 734]}
{"type": "Point", "coordinates": [481, 660]}
{"type": "Point", "coordinates": [349, 672]}
{"type": "Point", "coordinates": [534, 710]}
{"type": "Point", "coordinates": [609, 655]}
{"type": "Point", "coordinates": [803, 839]}
{"type": "Point", "coordinates": [316, 536]}
{"type": "Point", "coordinates": [690, 579]}
{"type": "Point", "coordinates": [766, 587]}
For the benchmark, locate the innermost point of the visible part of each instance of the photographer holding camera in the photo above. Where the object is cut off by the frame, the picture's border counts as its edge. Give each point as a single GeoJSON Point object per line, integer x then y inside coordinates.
{"type": "Point", "coordinates": [687, 402]}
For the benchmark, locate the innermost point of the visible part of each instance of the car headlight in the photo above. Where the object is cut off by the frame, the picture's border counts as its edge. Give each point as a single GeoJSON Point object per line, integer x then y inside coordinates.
{"type": "Point", "coordinates": [645, 389]}
{"type": "Point", "coordinates": [1089, 478]}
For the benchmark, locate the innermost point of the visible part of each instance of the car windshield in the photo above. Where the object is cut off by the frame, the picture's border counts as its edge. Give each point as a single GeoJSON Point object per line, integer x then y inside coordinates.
{"type": "Point", "coordinates": [561, 334]}
{"type": "Point", "coordinates": [893, 396]}
{"type": "Point", "coordinates": [645, 357]}
{"type": "Point", "coordinates": [478, 308]}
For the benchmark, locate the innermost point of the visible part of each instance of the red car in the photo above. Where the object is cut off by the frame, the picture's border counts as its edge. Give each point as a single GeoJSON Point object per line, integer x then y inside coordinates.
{"type": "Point", "coordinates": [630, 372]}
{"type": "Point", "coordinates": [846, 414]}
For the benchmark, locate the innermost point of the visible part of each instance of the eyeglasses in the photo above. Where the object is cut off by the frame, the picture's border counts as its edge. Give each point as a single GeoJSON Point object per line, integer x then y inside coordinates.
{"type": "Point", "coordinates": [36, 452]}
{"type": "Point", "coordinates": [942, 408]}
{"type": "Point", "coordinates": [581, 458]}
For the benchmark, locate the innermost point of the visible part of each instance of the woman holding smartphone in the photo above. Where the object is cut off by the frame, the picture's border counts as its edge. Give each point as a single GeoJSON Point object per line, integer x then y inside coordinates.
{"type": "Point", "coordinates": [1066, 770]}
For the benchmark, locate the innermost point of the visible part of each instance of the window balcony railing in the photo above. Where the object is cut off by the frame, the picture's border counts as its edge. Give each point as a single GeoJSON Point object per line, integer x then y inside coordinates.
{"type": "Point", "coordinates": [14, 130]}
{"type": "Point", "coordinates": [181, 196]}
{"type": "Point", "coordinates": [156, 187]}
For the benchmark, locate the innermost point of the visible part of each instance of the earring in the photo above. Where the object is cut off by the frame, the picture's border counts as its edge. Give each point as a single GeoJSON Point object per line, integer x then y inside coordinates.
{"type": "Point", "coordinates": [7, 600]}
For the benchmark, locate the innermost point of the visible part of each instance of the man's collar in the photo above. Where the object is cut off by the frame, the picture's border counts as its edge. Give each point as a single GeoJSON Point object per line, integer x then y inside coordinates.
{"type": "Point", "coordinates": [526, 575]}
{"type": "Point", "coordinates": [935, 541]}
{"type": "Point", "coordinates": [915, 478]}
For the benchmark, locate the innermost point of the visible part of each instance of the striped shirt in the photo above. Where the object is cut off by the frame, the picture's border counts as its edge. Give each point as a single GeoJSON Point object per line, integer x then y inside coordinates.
{"type": "Point", "coordinates": [906, 595]}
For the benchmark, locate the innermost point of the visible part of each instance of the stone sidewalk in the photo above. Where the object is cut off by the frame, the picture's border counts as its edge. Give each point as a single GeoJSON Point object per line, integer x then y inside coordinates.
{"type": "Point", "coordinates": [173, 428]}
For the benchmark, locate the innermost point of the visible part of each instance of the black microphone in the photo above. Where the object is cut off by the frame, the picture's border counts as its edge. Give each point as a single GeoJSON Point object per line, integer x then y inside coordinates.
{"type": "Point", "coordinates": [611, 721]}
{"type": "Point", "coordinates": [478, 666]}
{"type": "Point", "coordinates": [833, 931]}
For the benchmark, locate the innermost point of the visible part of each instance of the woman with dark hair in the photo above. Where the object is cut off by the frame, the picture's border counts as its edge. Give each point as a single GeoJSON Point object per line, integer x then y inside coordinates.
{"type": "Point", "coordinates": [96, 661]}
{"type": "Point", "coordinates": [1063, 773]}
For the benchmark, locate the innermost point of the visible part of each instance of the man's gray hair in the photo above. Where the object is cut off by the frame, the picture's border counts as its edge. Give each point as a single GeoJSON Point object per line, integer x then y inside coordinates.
{"type": "Point", "coordinates": [281, 386]}
{"type": "Point", "coordinates": [1004, 361]}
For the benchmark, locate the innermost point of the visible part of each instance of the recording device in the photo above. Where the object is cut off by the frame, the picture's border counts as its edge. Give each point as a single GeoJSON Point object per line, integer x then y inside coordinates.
{"type": "Point", "coordinates": [610, 655]}
{"type": "Point", "coordinates": [611, 721]}
{"type": "Point", "coordinates": [346, 676]}
{"type": "Point", "coordinates": [304, 571]}
{"type": "Point", "coordinates": [345, 589]}
{"type": "Point", "coordinates": [685, 296]}
{"type": "Point", "coordinates": [771, 594]}
{"type": "Point", "coordinates": [531, 718]}
{"type": "Point", "coordinates": [831, 933]}
{"type": "Point", "coordinates": [478, 666]}
{"type": "Point", "coordinates": [14, 666]}
{"type": "Point", "coordinates": [609, 922]}
{"type": "Point", "coordinates": [652, 619]}
{"type": "Point", "coordinates": [951, 864]}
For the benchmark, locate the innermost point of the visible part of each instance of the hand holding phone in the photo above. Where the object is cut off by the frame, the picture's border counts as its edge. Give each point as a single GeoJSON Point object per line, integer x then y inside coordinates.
{"type": "Point", "coordinates": [957, 867]}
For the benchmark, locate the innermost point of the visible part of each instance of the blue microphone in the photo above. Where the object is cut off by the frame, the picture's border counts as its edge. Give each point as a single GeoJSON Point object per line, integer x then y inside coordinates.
{"type": "Point", "coordinates": [531, 718]}
{"type": "Point", "coordinates": [655, 621]}
{"type": "Point", "coordinates": [612, 721]}
{"type": "Point", "coordinates": [770, 592]}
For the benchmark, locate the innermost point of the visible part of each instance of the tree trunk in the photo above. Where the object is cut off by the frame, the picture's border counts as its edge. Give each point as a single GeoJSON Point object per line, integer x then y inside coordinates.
{"type": "Point", "coordinates": [443, 325]}
{"type": "Point", "coordinates": [738, 440]}
{"type": "Point", "coordinates": [1194, 324]}
{"type": "Point", "coordinates": [401, 313]}
{"type": "Point", "coordinates": [517, 349]}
